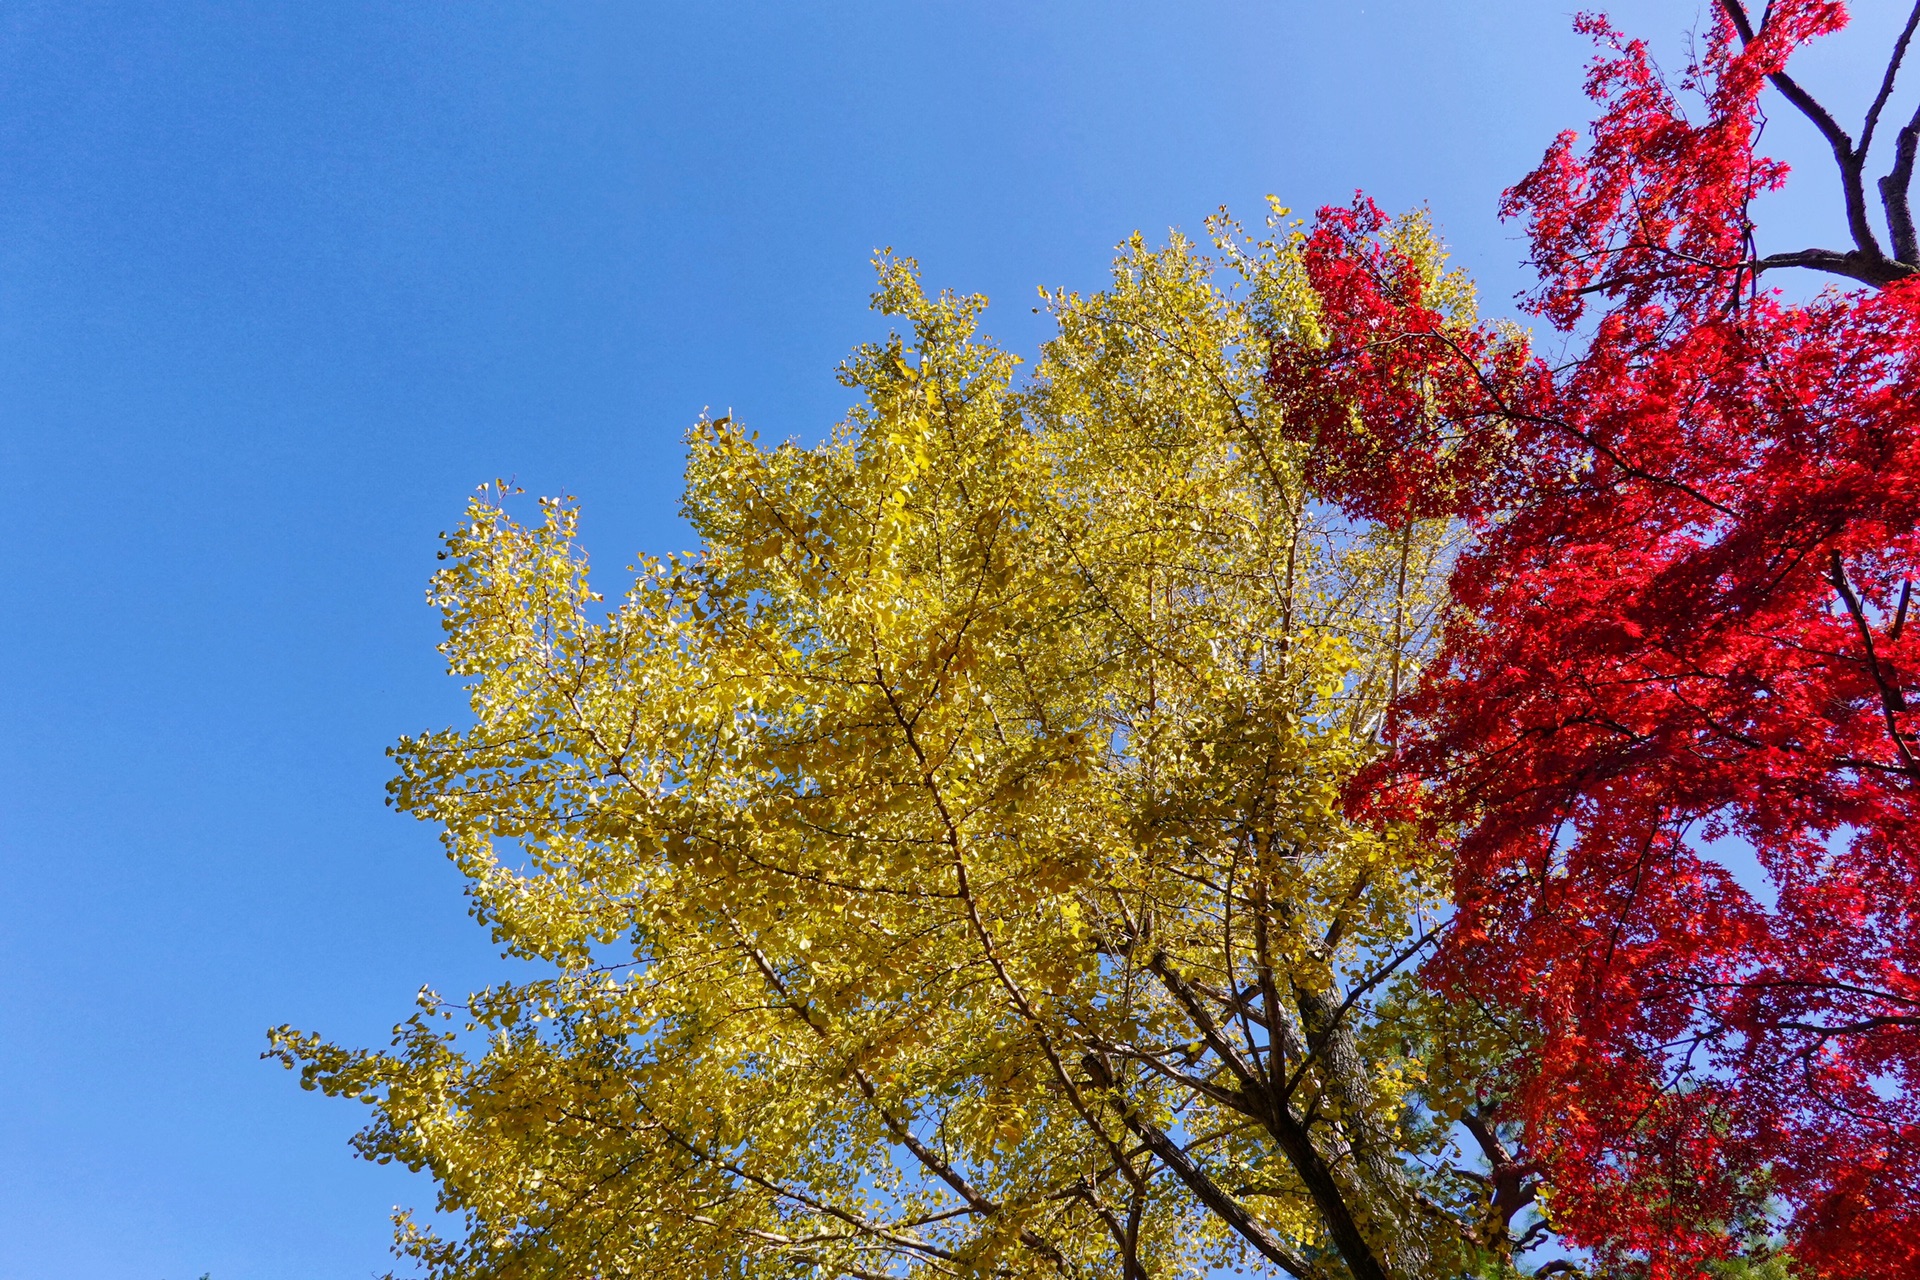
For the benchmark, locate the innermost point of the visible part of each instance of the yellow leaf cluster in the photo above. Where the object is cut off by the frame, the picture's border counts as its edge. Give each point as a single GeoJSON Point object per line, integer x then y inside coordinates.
{"type": "Point", "coordinates": [942, 870]}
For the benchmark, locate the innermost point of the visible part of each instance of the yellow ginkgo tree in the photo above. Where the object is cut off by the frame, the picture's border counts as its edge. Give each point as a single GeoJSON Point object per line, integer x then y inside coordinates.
{"type": "Point", "coordinates": [942, 871]}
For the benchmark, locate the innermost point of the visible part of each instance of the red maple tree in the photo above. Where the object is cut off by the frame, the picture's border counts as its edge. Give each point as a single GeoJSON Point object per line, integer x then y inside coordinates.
{"type": "Point", "coordinates": [1681, 629]}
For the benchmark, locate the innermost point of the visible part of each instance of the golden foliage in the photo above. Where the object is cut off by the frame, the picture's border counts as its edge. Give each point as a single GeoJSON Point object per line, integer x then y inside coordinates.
{"type": "Point", "coordinates": [943, 870]}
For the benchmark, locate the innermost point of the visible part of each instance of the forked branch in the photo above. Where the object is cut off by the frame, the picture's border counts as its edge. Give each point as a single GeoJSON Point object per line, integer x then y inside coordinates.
{"type": "Point", "coordinates": [1866, 262]}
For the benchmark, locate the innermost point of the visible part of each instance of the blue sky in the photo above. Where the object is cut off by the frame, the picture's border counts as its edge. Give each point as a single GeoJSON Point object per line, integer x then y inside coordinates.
{"type": "Point", "coordinates": [281, 283]}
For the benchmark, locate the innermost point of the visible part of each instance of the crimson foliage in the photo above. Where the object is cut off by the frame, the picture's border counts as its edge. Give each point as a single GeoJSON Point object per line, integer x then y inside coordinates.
{"type": "Point", "coordinates": [1682, 630]}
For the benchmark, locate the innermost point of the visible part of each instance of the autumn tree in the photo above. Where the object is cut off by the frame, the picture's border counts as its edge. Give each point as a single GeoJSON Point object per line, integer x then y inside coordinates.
{"type": "Point", "coordinates": [942, 870]}
{"type": "Point", "coordinates": [1682, 631]}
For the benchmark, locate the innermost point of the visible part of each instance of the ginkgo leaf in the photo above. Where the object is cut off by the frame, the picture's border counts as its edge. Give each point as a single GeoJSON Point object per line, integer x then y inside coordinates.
{"type": "Point", "coordinates": [943, 870]}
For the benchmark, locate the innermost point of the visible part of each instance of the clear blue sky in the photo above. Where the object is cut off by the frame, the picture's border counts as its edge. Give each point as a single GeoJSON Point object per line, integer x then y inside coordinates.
{"type": "Point", "coordinates": [280, 283]}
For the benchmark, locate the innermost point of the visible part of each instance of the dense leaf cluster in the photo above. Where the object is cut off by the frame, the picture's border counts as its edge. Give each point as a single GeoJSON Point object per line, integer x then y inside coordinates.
{"type": "Point", "coordinates": [944, 870]}
{"type": "Point", "coordinates": [1680, 632]}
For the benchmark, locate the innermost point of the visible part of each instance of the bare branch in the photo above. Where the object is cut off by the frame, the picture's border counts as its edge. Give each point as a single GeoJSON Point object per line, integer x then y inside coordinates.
{"type": "Point", "coordinates": [1894, 190]}
{"type": "Point", "coordinates": [1875, 269]}
{"type": "Point", "coordinates": [1886, 81]}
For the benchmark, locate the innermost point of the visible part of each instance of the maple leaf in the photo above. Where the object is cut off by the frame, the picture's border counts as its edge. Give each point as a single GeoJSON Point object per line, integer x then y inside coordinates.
{"type": "Point", "coordinates": [1681, 624]}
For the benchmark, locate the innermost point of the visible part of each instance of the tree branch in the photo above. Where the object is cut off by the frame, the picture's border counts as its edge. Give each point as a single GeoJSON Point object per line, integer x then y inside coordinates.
{"type": "Point", "coordinates": [1204, 1188]}
{"type": "Point", "coordinates": [1845, 154]}
{"type": "Point", "coordinates": [1852, 1028]}
{"type": "Point", "coordinates": [902, 1134]}
{"type": "Point", "coordinates": [1875, 269]}
{"type": "Point", "coordinates": [1886, 81]}
{"type": "Point", "coordinates": [1894, 189]}
{"type": "Point", "coordinates": [1892, 702]}
{"type": "Point", "coordinates": [1508, 1189]}
{"type": "Point", "coordinates": [1288, 1131]}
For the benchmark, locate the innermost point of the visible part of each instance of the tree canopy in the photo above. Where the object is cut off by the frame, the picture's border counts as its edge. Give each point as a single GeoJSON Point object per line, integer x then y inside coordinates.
{"type": "Point", "coordinates": [943, 869]}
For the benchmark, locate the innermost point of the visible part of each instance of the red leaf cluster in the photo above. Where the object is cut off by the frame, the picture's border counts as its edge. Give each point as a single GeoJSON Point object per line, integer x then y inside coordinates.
{"type": "Point", "coordinates": [1409, 409]}
{"type": "Point", "coordinates": [1681, 635]}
